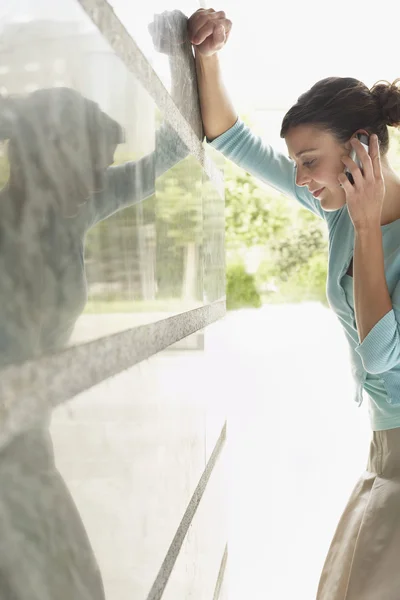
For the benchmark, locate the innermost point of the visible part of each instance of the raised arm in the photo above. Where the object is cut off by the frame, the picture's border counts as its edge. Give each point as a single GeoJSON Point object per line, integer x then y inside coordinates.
{"type": "Point", "coordinates": [209, 31]}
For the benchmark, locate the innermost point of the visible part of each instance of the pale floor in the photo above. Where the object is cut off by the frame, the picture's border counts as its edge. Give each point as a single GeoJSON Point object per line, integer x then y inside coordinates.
{"type": "Point", "coordinates": [298, 444]}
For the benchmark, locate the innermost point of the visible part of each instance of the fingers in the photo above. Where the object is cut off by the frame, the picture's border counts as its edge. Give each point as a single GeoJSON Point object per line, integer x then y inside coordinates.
{"type": "Point", "coordinates": [210, 12]}
{"type": "Point", "coordinates": [345, 184]}
{"type": "Point", "coordinates": [354, 170]}
{"type": "Point", "coordinates": [371, 177]}
{"type": "Point", "coordinates": [219, 38]}
{"type": "Point", "coordinates": [364, 157]}
{"type": "Point", "coordinates": [219, 27]}
{"type": "Point", "coordinates": [228, 27]}
{"type": "Point", "coordinates": [204, 22]}
{"type": "Point", "coordinates": [199, 19]}
{"type": "Point", "coordinates": [375, 157]}
{"type": "Point", "coordinates": [217, 15]}
{"type": "Point", "coordinates": [201, 34]}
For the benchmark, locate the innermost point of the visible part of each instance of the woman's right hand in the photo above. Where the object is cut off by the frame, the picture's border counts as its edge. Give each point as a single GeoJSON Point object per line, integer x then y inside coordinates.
{"type": "Point", "coordinates": [208, 31]}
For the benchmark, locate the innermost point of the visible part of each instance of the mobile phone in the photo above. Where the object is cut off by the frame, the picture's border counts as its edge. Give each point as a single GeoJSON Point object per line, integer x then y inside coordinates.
{"type": "Point", "coordinates": [364, 139]}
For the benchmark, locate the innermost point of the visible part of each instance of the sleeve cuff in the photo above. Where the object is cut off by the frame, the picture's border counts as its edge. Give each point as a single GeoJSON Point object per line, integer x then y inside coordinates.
{"type": "Point", "coordinates": [220, 141]}
{"type": "Point", "coordinates": [380, 350]}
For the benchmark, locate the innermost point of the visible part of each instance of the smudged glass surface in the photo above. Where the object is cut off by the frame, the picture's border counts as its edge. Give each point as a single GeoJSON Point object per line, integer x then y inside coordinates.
{"type": "Point", "coordinates": [159, 28]}
{"type": "Point", "coordinates": [132, 451]}
{"type": "Point", "coordinates": [107, 222]}
{"type": "Point", "coordinates": [107, 218]}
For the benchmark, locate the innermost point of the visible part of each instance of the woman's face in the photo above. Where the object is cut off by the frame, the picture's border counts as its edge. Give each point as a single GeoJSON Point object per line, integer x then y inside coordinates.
{"type": "Point", "coordinates": [317, 155]}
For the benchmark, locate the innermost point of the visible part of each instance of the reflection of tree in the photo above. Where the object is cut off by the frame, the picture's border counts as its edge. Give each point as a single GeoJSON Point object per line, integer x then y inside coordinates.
{"type": "Point", "coordinates": [299, 245]}
{"type": "Point", "coordinates": [186, 252]}
{"type": "Point", "coordinates": [4, 169]}
{"type": "Point", "coordinates": [253, 215]}
{"type": "Point", "coordinates": [179, 216]}
{"type": "Point", "coordinates": [292, 241]}
{"type": "Point", "coordinates": [113, 261]}
{"type": "Point", "coordinates": [172, 222]}
{"type": "Point", "coordinates": [110, 257]}
{"type": "Point", "coordinates": [213, 248]}
{"type": "Point", "coordinates": [115, 265]}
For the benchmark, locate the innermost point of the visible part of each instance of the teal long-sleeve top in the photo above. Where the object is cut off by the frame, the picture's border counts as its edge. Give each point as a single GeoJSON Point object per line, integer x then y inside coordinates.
{"type": "Point", "coordinates": [375, 363]}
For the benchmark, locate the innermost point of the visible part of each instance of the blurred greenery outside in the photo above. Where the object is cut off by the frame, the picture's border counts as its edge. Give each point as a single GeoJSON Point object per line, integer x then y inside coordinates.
{"type": "Point", "coordinates": [279, 246]}
{"type": "Point", "coordinates": [276, 251]}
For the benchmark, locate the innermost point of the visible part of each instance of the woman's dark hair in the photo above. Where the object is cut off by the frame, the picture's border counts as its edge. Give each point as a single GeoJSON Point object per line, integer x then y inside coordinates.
{"type": "Point", "coordinates": [343, 105]}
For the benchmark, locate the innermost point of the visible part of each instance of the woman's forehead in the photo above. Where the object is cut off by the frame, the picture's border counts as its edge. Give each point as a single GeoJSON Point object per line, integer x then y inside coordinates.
{"type": "Point", "coordinates": [304, 138]}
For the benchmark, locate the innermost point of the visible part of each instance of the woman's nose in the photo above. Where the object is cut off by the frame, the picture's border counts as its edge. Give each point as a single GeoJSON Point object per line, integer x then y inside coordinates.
{"type": "Point", "coordinates": [302, 178]}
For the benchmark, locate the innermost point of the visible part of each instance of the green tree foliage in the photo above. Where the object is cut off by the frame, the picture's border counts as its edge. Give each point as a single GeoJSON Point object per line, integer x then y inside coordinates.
{"type": "Point", "coordinates": [253, 215]}
{"type": "Point", "coordinates": [241, 289]}
{"type": "Point", "coordinates": [179, 220]}
{"type": "Point", "coordinates": [177, 215]}
{"type": "Point", "coordinates": [296, 247]}
{"type": "Point", "coordinates": [4, 167]}
{"type": "Point", "coordinates": [307, 283]}
{"type": "Point", "coordinates": [293, 241]}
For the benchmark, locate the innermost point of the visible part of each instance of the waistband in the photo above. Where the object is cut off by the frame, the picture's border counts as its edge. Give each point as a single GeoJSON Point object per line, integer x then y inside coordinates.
{"type": "Point", "coordinates": [384, 453]}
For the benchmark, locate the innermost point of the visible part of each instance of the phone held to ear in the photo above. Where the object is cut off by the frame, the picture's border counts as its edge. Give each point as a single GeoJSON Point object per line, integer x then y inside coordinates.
{"type": "Point", "coordinates": [364, 139]}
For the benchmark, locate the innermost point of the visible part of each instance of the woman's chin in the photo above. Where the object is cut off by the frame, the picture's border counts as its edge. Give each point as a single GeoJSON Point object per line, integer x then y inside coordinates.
{"type": "Point", "coordinates": [330, 202]}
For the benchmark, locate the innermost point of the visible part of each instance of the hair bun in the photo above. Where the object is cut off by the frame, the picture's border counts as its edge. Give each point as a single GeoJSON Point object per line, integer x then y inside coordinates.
{"type": "Point", "coordinates": [387, 96]}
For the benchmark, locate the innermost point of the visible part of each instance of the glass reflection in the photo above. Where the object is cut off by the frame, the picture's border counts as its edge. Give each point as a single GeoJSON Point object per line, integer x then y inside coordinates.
{"type": "Point", "coordinates": [132, 451]}
{"type": "Point", "coordinates": [168, 32]}
{"type": "Point", "coordinates": [59, 148]}
{"type": "Point", "coordinates": [61, 184]}
{"type": "Point", "coordinates": [159, 29]}
{"type": "Point", "coordinates": [101, 213]}
{"type": "Point", "coordinates": [142, 261]}
{"type": "Point", "coordinates": [145, 262]}
{"type": "Point", "coordinates": [213, 242]}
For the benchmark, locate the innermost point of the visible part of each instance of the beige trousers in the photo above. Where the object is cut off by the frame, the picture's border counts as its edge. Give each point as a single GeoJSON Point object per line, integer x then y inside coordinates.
{"type": "Point", "coordinates": [363, 561]}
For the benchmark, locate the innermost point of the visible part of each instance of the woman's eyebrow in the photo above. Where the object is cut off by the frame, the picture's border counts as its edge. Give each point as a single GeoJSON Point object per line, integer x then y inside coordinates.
{"type": "Point", "coordinates": [303, 152]}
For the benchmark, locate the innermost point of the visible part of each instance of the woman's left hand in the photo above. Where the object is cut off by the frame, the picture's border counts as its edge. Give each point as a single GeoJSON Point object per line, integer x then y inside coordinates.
{"type": "Point", "coordinates": [365, 197]}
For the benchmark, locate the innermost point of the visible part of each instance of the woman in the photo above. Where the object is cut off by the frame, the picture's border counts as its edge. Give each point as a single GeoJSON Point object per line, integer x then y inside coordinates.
{"type": "Point", "coordinates": [363, 285]}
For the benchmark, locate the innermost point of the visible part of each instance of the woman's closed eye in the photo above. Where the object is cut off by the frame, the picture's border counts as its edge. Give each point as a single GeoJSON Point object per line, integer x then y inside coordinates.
{"type": "Point", "coordinates": [309, 163]}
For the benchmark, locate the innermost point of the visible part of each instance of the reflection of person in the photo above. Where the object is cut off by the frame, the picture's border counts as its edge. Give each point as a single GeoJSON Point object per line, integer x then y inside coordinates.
{"type": "Point", "coordinates": [61, 183]}
{"type": "Point", "coordinates": [60, 148]}
{"type": "Point", "coordinates": [363, 275]}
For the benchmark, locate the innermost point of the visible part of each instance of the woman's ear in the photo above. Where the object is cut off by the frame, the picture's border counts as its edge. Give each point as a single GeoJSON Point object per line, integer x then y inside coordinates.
{"type": "Point", "coordinates": [360, 131]}
{"type": "Point", "coordinates": [347, 144]}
